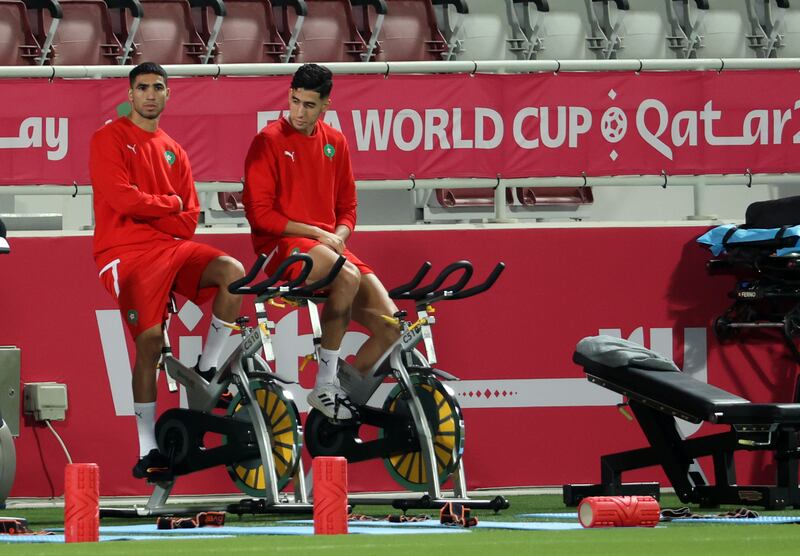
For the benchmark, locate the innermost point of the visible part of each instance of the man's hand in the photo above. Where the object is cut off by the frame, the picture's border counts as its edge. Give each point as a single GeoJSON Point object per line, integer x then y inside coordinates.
{"type": "Point", "coordinates": [331, 241]}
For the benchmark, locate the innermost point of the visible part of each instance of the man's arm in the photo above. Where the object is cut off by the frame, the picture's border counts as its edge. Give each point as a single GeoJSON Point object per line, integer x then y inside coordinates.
{"type": "Point", "coordinates": [110, 180]}
{"type": "Point", "coordinates": [346, 199]}
{"type": "Point", "coordinates": [260, 193]}
{"type": "Point", "coordinates": [183, 224]}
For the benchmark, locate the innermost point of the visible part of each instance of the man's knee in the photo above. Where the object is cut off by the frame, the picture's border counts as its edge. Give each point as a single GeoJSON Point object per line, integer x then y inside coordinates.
{"type": "Point", "coordinates": [149, 342]}
{"type": "Point", "coordinates": [347, 282]}
{"type": "Point", "coordinates": [230, 269]}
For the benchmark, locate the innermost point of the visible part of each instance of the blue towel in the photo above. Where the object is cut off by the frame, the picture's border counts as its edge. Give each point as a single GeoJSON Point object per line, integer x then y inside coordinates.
{"type": "Point", "coordinates": [715, 239]}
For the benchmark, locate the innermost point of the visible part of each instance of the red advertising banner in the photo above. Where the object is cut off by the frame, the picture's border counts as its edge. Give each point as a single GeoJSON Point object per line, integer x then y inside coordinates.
{"type": "Point", "coordinates": [431, 126]}
{"type": "Point", "coordinates": [531, 416]}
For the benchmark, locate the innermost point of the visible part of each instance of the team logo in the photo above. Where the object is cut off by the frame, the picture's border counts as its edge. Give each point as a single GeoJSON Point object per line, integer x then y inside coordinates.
{"type": "Point", "coordinates": [133, 316]}
{"type": "Point", "coordinates": [329, 150]}
{"type": "Point", "coordinates": [170, 156]}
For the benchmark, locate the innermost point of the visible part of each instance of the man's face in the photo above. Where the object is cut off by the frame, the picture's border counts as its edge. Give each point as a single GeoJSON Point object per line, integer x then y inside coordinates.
{"type": "Point", "coordinates": [305, 108]}
{"type": "Point", "coordinates": [148, 95]}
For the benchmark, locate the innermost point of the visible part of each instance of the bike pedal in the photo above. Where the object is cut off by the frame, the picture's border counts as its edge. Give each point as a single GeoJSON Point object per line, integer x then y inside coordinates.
{"type": "Point", "coordinates": [224, 400]}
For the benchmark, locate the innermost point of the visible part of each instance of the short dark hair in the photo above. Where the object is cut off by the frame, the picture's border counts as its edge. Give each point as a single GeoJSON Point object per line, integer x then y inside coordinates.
{"type": "Point", "coordinates": [147, 67]}
{"type": "Point", "coordinates": [313, 77]}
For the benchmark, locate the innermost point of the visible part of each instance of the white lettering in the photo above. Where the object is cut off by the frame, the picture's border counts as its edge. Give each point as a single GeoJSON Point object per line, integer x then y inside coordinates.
{"type": "Point", "coordinates": [482, 114]}
{"type": "Point", "coordinates": [651, 138]}
{"type": "Point", "coordinates": [779, 119]}
{"type": "Point", "coordinates": [580, 122]}
{"type": "Point", "coordinates": [519, 120]}
{"type": "Point", "coordinates": [690, 133]}
{"type": "Point", "coordinates": [397, 130]}
{"type": "Point", "coordinates": [57, 138]}
{"type": "Point", "coordinates": [561, 127]}
{"type": "Point", "coordinates": [436, 121]}
{"type": "Point", "coordinates": [372, 128]}
{"type": "Point", "coordinates": [458, 142]}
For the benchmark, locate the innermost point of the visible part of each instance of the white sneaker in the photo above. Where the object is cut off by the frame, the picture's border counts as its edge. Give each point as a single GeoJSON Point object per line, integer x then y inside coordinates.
{"type": "Point", "coordinates": [332, 402]}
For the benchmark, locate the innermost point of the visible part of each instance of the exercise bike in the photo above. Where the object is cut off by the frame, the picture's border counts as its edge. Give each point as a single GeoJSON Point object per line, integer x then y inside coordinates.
{"type": "Point", "coordinates": [421, 428]}
{"type": "Point", "coordinates": [261, 435]}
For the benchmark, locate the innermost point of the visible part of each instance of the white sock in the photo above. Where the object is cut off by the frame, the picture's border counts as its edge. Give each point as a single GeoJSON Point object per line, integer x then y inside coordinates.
{"type": "Point", "coordinates": [328, 366]}
{"type": "Point", "coordinates": [218, 333]}
{"type": "Point", "coordinates": [146, 426]}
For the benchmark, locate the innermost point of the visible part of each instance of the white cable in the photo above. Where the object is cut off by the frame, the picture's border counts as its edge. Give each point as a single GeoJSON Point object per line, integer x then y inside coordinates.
{"type": "Point", "coordinates": [49, 426]}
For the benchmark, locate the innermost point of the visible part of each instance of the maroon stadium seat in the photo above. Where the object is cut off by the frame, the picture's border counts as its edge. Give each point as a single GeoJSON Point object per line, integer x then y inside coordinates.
{"type": "Point", "coordinates": [328, 32]}
{"type": "Point", "coordinates": [84, 35]}
{"type": "Point", "coordinates": [410, 32]}
{"type": "Point", "coordinates": [526, 196]}
{"type": "Point", "coordinates": [248, 33]}
{"type": "Point", "coordinates": [18, 47]}
{"type": "Point", "coordinates": [166, 34]}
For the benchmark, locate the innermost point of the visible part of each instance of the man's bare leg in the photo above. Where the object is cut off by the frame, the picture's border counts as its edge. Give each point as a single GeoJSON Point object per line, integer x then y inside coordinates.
{"type": "Point", "coordinates": [225, 310]}
{"type": "Point", "coordinates": [371, 302]}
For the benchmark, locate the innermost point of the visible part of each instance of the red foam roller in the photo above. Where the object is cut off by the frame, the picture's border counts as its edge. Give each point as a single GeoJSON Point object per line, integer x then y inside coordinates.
{"type": "Point", "coordinates": [82, 502]}
{"type": "Point", "coordinates": [330, 495]}
{"type": "Point", "coordinates": [619, 511]}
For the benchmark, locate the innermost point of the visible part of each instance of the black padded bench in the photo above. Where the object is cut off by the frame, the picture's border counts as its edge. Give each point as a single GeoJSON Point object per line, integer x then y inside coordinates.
{"type": "Point", "coordinates": [657, 393]}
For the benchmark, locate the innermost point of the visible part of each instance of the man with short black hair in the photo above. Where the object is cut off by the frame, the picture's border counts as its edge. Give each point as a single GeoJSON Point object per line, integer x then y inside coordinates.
{"type": "Point", "coordinates": [146, 210]}
{"type": "Point", "coordinates": [300, 196]}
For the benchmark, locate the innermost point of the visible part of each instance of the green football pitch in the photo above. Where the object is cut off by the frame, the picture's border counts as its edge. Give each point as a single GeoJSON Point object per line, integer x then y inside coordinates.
{"type": "Point", "coordinates": [675, 539]}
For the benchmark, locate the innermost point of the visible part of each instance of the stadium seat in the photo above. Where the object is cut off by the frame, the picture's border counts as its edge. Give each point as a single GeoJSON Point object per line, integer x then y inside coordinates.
{"type": "Point", "coordinates": [486, 32]}
{"type": "Point", "coordinates": [84, 35]}
{"type": "Point", "coordinates": [328, 33]}
{"type": "Point", "coordinates": [530, 197]}
{"type": "Point", "coordinates": [644, 31]}
{"type": "Point", "coordinates": [126, 16]}
{"type": "Point", "coordinates": [564, 31]}
{"type": "Point", "coordinates": [450, 16]}
{"type": "Point", "coordinates": [525, 21]}
{"type": "Point", "coordinates": [779, 22]}
{"type": "Point", "coordinates": [18, 47]}
{"type": "Point", "coordinates": [369, 17]}
{"type": "Point", "coordinates": [165, 34]}
{"type": "Point", "coordinates": [44, 17]}
{"type": "Point", "coordinates": [409, 32]}
{"type": "Point", "coordinates": [248, 33]}
{"type": "Point", "coordinates": [711, 28]}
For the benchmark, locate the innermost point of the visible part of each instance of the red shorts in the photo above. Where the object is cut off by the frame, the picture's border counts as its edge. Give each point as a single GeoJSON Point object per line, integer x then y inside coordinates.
{"type": "Point", "coordinates": [279, 250]}
{"type": "Point", "coordinates": [142, 279]}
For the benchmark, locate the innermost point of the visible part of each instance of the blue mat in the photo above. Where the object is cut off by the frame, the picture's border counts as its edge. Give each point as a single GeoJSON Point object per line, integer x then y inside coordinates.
{"type": "Point", "coordinates": [435, 525]}
{"type": "Point", "coordinates": [563, 515]}
{"type": "Point", "coordinates": [227, 530]}
{"type": "Point", "coordinates": [103, 538]}
{"type": "Point", "coordinates": [761, 520]}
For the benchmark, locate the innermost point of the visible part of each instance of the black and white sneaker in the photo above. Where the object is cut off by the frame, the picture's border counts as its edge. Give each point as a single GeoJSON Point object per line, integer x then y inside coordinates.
{"type": "Point", "coordinates": [154, 466]}
{"type": "Point", "coordinates": [332, 402]}
{"type": "Point", "coordinates": [207, 375]}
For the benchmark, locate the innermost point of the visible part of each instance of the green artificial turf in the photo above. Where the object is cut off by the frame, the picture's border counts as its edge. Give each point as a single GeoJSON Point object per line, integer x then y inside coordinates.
{"type": "Point", "coordinates": [674, 539]}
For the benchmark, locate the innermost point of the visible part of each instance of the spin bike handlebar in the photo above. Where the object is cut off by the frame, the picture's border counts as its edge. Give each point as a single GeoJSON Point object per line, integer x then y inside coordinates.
{"type": "Point", "coordinates": [482, 287]}
{"type": "Point", "coordinates": [394, 293]}
{"type": "Point", "coordinates": [240, 286]}
{"type": "Point", "coordinates": [311, 290]}
{"type": "Point", "coordinates": [435, 292]}
{"type": "Point", "coordinates": [421, 293]}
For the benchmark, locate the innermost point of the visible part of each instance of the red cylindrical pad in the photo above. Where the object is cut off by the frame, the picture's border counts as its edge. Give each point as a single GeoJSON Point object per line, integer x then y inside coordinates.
{"type": "Point", "coordinates": [330, 495]}
{"type": "Point", "coordinates": [82, 502]}
{"type": "Point", "coordinates": [619, 511]}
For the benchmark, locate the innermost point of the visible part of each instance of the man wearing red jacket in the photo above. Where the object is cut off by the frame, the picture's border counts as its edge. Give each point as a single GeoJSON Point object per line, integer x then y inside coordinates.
{"type": "Point", "coordinates": [146, 210]}
{"type": "Point", "coordinates": [300, 196]}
